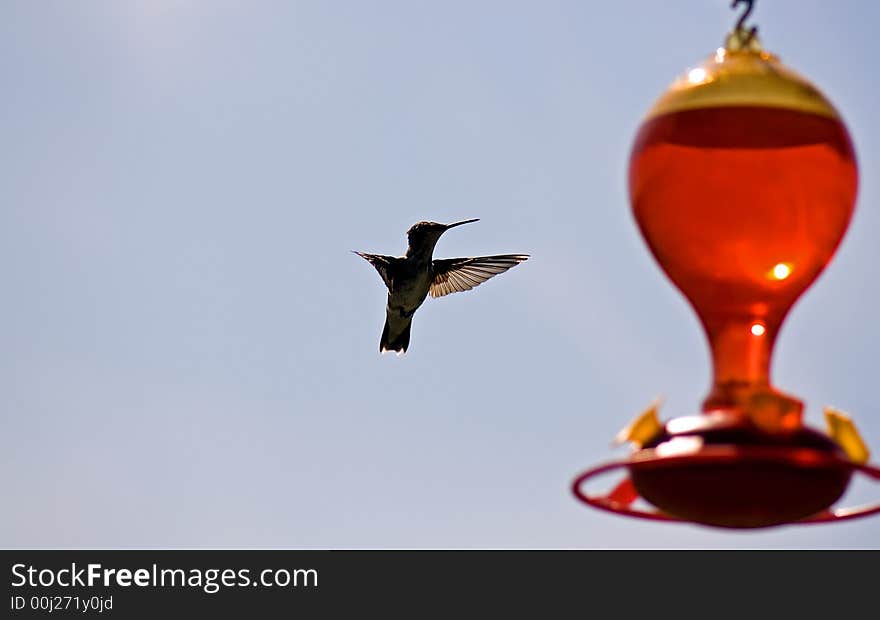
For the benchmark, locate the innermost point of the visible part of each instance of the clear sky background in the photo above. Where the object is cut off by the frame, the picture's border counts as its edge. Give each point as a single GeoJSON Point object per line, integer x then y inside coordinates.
{"type": "Point", "coordinates": [188, 349]}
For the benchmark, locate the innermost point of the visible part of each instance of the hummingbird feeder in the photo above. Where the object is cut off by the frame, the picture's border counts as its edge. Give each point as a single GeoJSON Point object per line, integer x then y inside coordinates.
{"type": "Point", "coordinates": [743, 182]}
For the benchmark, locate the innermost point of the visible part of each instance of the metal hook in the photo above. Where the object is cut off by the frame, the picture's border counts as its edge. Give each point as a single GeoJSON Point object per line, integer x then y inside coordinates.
{"type": "Point", "coordinates": [740, 24]}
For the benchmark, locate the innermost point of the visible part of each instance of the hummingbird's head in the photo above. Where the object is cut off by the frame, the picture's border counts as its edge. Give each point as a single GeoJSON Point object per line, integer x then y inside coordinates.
{"type": "Point", "coordinates": [424, 234]}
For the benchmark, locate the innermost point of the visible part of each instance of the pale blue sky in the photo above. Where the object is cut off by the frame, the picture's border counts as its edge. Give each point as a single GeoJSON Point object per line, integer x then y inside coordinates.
{"type": "Point", "coordinates": [189, 350]}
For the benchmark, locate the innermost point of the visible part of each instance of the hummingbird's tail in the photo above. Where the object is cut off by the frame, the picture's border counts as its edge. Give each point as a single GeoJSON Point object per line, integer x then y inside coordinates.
{"type": "Point", "coordinates": [396, 339]}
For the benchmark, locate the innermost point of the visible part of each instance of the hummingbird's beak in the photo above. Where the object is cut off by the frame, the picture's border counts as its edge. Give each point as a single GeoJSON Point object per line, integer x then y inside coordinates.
{"type": "Point", "coordinates": [448, 226]}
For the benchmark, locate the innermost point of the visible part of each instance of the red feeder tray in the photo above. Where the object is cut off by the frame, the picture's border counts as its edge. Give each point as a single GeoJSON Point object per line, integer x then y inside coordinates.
{"type": "Point", "coordinates": [716, 471]}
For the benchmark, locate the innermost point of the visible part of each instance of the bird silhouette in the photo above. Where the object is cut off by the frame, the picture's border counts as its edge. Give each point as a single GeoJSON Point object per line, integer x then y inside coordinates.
{"type": "Point", "coordinates": [410, 278]}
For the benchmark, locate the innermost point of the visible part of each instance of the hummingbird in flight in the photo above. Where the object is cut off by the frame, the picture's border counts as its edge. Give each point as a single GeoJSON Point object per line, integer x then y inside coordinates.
{"type": "Point", "coordinates": [410, 278]}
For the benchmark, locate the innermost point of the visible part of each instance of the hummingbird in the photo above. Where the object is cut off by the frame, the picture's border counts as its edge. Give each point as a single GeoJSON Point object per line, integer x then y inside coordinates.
{"type": "Point", "coordinates": [410, 278]}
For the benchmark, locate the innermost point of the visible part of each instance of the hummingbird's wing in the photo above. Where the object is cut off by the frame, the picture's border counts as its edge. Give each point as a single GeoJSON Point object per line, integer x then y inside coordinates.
{"type": "Point", "coordinates": [381, 263]}
{"type": "Point", "coordinates": [454, 275]}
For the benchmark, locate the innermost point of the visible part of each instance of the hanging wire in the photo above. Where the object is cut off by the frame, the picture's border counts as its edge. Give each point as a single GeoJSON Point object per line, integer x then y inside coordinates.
{"type": "Point", "coordinates": [745, 34]}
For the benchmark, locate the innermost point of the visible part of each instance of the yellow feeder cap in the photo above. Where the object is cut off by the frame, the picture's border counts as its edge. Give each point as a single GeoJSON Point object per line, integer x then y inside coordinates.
{"type": "Point", "coordinates": [742, 75]}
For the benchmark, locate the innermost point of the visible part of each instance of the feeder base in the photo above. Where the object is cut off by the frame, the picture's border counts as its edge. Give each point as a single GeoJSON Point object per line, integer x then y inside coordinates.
{"type": "Point", "coordinates": [754, 487]}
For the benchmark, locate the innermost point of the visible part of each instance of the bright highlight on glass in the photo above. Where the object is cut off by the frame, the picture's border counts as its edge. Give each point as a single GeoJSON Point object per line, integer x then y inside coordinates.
{"type": "Point", "coordinates": [758, 329]}
{"type": "Point", "coordinates": [781, 271]}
